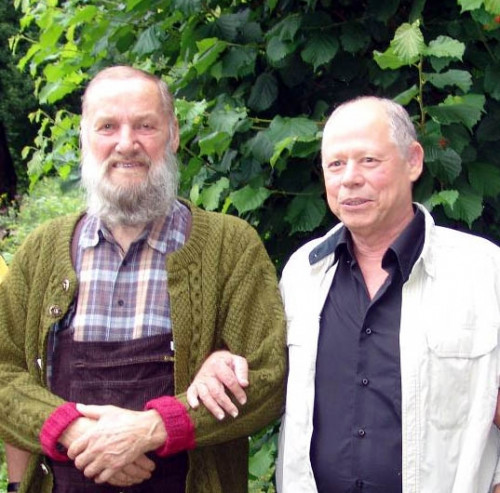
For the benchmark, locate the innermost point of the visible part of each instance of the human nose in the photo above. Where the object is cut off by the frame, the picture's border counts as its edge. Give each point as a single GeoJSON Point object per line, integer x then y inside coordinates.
{"type": "Point", "coordinates": [351, 175]}
{"type": "Point", "coordinates": [126, 140]}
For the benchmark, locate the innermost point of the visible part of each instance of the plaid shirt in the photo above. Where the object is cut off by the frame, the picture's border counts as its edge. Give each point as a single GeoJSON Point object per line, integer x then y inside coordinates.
{"type": "Point", "coordinates": [125, 296]}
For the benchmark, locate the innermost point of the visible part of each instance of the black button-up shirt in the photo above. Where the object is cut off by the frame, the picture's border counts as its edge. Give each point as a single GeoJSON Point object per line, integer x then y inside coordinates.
{"type": "Point", "coordinates": [356, 444]}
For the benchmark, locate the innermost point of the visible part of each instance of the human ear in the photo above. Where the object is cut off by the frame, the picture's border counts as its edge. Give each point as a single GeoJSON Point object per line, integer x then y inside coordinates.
{"type": "Point", "coordinates": [415, 160]}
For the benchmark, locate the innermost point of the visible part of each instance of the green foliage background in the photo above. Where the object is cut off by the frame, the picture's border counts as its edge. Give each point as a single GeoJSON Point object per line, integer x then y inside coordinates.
{"type": "Point", "coordinates": [254, 82]}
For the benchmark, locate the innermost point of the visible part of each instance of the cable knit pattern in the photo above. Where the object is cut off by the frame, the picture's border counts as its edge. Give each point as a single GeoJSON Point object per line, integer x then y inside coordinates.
{"type": "Point", "coordinates": [223, 294]}
{"type": "Point", "coordinates": [54, 427]}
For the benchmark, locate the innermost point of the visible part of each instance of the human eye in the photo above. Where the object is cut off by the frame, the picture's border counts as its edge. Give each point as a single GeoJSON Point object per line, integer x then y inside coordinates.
{"type": "Point", "coordinates": [335, 164]}
{"type": "Point", "coordinates": [369, 160]}
{"type": "Point", "coordinates": [105, 126]}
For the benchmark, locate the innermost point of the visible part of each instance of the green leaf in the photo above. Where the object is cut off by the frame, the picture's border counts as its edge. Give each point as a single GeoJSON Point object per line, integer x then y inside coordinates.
{"type": "Point", "coordinates": [54, 91]}
{"type": "Point", "coordinates": [408, 42]}
{"type": "Point", "coordinates": [320, 49]}
{"type": "Point", "coordinates": [447, 165]}
{"type": "Point", "coordinates": [470, 4]}
{"type": "Point", "coordinates": [209, 50]}
{"type": "Point", "coordinates": [229, 25]}
{"type": "Point", "coordinates": [286, 29]}
{"type": "Point", "coordinates": [263, 460]}
{"type": "Point", "coordinates": [271, 4]}
{"type": "Point", "coordinates": [214, 143]}
{"type": "Point", "coordinates": [225, 119]}
{"type": "Point", "coordinates": [416, 10]}
{"type": "Point", "coordinates": [260, 147]}
{"type": "Point", "coordinates": [489, 129]}
{"type": "Point", "coordinates": [210, 197]}
{"type": "Point", "coordinates": [407, 96]}
{"type": "Point", "coordinates": [300, 128]}
{"type": "Point", "coordinates": [264, 92]}
{"type": "Point", "coordinates": [491, 78]}
{"type": "Point", "coordinates": [51, 35]}
{"type": "Point", "coordinates": [468, 206]}
{"type": "Point", "coordinates": [463, 109]}
{"type": "Point", "coordinates": [239, 61]}
{"type": "Point", "coordinates": [277, 49]}
{"type": "Point", "coordinates": [444, 46]}
{"type": "Point", "coordinates": [382, 11]}
{"type": "Point", "coordinates": [305, 212]}
{"type": "Point", "coordinates": [148, 42]}
{"type": "Point", "coordinates": [460, 78]}
{"type": "Point", "coordinates": [248, 198]}
{"type": "Point", "coordinates": [485, 179]}
{"type": "Point", "coordinates": [354, 38]}
{"type": "Point", "coordinates": [388, 59]}
{"type": "Point", "coordinates": [286, 143]}
{"type": "Point", "coordinates": [445, 197]}
{"type": "Point", "coordinates": [492, 6]}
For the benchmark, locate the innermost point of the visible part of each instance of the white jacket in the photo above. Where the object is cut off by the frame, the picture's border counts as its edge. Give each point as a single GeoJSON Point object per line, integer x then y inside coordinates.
{"type": "Point", "coordinates": [450, 321]}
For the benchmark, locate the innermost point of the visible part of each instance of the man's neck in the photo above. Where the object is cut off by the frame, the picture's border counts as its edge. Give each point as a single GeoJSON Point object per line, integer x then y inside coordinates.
{"type": "Point", "coordinates": [369, 251]}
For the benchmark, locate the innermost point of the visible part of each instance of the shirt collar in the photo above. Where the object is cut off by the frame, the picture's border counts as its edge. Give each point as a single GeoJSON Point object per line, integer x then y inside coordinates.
{"type": "Point", "coordinates": [156, 233]}
{"type": "Point", "coordinates": [406, 248]}
{"type": "Point", "coordinates": [408, 245]}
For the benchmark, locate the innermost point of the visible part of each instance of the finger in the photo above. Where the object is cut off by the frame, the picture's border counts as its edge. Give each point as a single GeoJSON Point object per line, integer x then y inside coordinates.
{"type": "Point", "coordinates": [77, 448]}
{"type": "Point", "coordinates": [105, 476]}
{"type": "Point", "coordinates": [240, 366]}
{"type": "Point", "coordinates": [92, 411]}
{"type": "Point", "coordinates": [136, 473]}
{"type": "Point", "coordinates": [226, 374]}
{"type": "Point", "coordinates": [209, 402]}
{"type": "Point", "coordinates": [192, 396]}
{"type": "Point", "coordinates": [145, 463]}
{"type": "Point", "coordinates": [218, 393]}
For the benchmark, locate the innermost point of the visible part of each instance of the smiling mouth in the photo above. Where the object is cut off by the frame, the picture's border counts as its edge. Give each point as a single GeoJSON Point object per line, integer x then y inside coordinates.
{"type": "Point", "coordinates": [354, 202]}
{"type": "Point", "coordinates": [128, 165]}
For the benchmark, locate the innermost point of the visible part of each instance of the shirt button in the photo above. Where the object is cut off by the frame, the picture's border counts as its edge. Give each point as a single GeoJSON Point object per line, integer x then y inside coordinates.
{"type": "Point", "coordinates": [55, 311]}
{"type": "Point", "coordinates": [65, 285]}
{"type": "Point", "coordinates": [365, 381]}
{"type": "Point", "coordinates": [368, 331]}
{"type": "Point", "coordinates": [121, 302]}
{"type": "Point", "coordinates": [361, 433]}
{"type": "Point", "coordinates": [44, 469]}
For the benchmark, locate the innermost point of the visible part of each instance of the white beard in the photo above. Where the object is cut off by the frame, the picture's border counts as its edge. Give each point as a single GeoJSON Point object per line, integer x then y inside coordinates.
{"type": "Point", "coordinates": [134, 204]}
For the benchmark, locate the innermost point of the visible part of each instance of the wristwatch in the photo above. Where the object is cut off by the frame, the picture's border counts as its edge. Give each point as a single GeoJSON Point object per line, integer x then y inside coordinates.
{"type": "Point", "coordinates": [13, 487]}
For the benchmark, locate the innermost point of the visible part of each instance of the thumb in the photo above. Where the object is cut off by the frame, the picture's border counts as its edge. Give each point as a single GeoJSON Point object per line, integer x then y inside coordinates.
{"type": "Point", "coordinates": [91, 411]}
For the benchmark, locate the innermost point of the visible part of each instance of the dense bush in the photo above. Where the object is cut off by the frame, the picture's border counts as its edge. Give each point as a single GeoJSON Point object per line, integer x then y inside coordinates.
{"type": "Point", "coordinates": [255, 81]}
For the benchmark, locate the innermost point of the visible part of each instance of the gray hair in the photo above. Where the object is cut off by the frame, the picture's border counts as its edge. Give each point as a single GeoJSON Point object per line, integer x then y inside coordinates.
{"type": "Point", "coordinates": [401, 128]}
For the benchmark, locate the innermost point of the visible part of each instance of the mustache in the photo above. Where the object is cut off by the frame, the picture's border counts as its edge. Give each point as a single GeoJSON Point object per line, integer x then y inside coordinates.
{"type": "Point", "coordinates": [136, 157]}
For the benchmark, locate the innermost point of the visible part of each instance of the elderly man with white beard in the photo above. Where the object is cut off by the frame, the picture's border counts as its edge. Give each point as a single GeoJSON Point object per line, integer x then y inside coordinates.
{"type": "Point", "coordinates": [106, 317]}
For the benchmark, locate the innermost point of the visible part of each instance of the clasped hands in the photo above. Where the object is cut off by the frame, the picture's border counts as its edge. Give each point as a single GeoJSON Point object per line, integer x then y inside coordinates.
{"type": "Point", "coordinates": [108, 444]}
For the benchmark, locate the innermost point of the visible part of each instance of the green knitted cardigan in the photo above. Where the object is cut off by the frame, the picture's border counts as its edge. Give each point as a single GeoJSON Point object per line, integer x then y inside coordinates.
{"type": "Point", "coordinates": [223, 294]}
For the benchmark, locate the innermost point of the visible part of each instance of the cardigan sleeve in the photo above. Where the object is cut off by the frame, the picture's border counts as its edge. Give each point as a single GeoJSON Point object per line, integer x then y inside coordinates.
{"type": "Point", "coordinates": [249, 321]}
{"type": "Point", "coordinates": [31, 285]}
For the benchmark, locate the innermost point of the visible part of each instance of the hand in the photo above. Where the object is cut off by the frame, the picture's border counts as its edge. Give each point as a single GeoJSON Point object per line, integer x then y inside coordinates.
{"type": "Point", "coordinates": [221, 370]}
{"type": "Point", "coordinates": [496, 489]}
{"type": "Point", "coordinates": [134, 473]}
{"type": "Point", "coordinates": [117, 440]}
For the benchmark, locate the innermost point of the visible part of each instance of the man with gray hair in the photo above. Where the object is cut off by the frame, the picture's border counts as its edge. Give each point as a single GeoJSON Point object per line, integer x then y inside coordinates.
{"type": "Point", "coordinates": [106, 317]}
{"type": "Point", "coordinates": [393, 330]}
